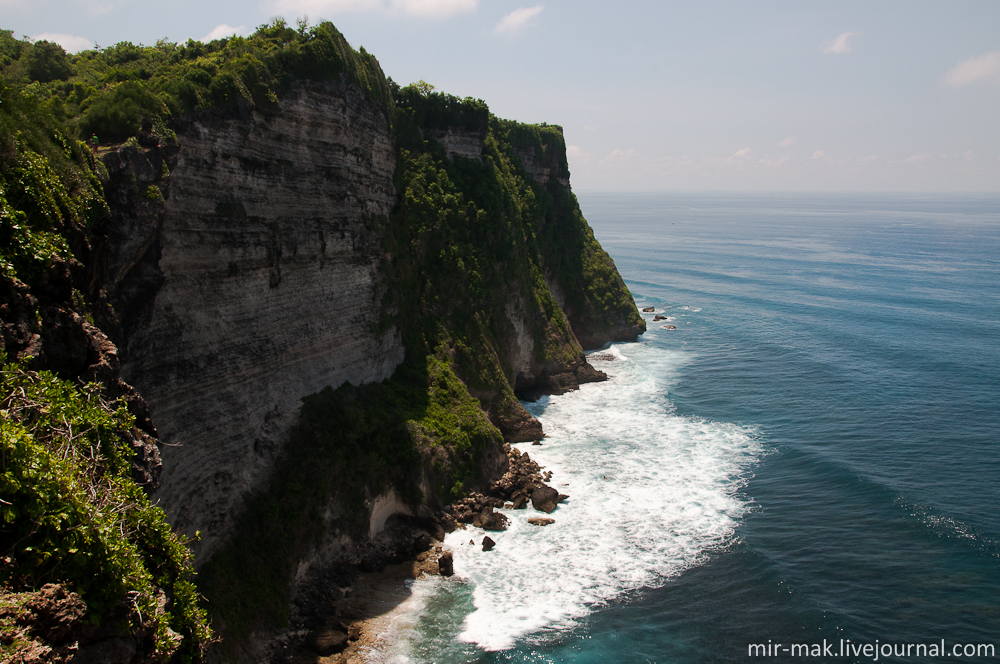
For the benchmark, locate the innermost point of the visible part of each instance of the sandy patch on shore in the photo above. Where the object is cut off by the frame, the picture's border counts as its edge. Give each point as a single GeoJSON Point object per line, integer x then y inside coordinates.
{"type": "Point", "coordinates": [376, 601]}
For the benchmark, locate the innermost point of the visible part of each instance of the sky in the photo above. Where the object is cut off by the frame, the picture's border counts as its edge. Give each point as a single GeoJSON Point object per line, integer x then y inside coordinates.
{"type": "Point", "coordinates": [661, 96]}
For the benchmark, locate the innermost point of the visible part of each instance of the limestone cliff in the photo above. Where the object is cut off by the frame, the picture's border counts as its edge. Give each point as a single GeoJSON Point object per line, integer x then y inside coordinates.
{"type": "Point", "coordinates": [252, 287]}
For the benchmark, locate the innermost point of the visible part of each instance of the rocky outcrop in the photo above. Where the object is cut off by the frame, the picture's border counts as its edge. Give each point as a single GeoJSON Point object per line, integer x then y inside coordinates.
{"type": "Point", "coordinates": [50, 625]}
{"type": "Point", "coordinates": [544, 168]}
{"type": "Point", "coordinates": [461, 142]}
{"type": "Point", "coordinates": [524, 481]}
{"type": "Point", "coordinates": [533, 378]}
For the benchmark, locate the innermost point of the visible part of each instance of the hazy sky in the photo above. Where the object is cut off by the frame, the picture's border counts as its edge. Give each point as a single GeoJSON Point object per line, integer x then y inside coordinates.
{"type": "Point", "coordinates": [900, 96]}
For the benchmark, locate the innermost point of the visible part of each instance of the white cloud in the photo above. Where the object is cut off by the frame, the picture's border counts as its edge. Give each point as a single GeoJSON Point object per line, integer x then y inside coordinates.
{"type": "Point", "coordinates": [577, 155]}
{"type": "Point", "coordinates": [72, 43]}
{"type": "Point", "coordinates": [913, 159]}
{"type": "Point", "coordinates": [224, 30]}
{"type": "Point", "coordinates": [518, 20]}
{"type": "Point", "coordinates": [819, 154]}
{"type": "Point", "coordinates": [787, 143]}
{"type": "Point", "coordinates": [977, 68]}
{"type": "Point", "coordinates": [621, 155]}
{"type": "Point", "coordinates": [738, 155]}
{"type": "Point", "coordinates": [774, 161]}
{"type": "Point", "coordinates": [840, 45]}
{"type": "Point", "coordinates": [426, 8]}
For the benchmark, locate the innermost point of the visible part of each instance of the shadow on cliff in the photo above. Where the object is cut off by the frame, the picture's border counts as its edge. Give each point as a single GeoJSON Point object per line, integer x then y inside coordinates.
{"type": "Point", "coordinates": [419, 434]}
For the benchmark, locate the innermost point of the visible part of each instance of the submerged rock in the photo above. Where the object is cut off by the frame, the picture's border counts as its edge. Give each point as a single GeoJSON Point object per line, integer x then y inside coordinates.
{"type": "Point", "coordinates": [540, 521]}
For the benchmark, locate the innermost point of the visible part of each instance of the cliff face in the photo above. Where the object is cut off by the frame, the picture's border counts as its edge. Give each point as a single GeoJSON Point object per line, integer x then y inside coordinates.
{"type": "Point", "coordinates": [252, 286]}
{"type": "Point", "coordinates": [270, 254]}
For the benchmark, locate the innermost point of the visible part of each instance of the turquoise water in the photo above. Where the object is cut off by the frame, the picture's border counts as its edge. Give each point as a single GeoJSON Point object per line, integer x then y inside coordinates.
{"type": "Point", "coordinates": [813, 453]}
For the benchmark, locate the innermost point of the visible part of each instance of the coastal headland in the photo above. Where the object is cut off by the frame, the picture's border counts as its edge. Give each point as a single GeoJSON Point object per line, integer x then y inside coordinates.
{"type": "Point", "coordinates": [267, 317]}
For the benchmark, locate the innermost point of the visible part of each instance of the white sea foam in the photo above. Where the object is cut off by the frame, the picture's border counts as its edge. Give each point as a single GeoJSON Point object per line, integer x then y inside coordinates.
{"type": "Point", "coordinates": [650, 491]}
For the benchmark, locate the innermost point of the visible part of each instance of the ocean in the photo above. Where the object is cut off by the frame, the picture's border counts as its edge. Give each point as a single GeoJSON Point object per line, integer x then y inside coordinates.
{"type": "Point", "coordinates": [810, 458]}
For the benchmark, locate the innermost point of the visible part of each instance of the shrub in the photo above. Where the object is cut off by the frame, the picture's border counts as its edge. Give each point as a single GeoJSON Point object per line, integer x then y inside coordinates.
{"type": "Point", "coordinates": [70, 512]}
{"type": "Point", "coordinates": [117, 114]}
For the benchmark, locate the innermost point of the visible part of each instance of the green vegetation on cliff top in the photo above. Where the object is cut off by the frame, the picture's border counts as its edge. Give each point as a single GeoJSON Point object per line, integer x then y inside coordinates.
{"type": "Point", "coordinates": [109, 91]}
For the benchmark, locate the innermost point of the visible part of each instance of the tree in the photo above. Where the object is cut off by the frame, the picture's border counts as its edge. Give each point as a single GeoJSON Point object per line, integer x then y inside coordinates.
{"type": "Point", "coordinates": [47, 62]}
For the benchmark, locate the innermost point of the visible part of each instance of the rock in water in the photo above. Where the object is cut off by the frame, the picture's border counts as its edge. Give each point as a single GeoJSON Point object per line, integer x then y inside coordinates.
{"type": "Point", "coordinates": [648, 310]}
{"type": "Point", "coordinates": [446, 564]}
{"type": "Point", "coordinates": [544, 499]}
{"type": "Point", "coordinates": [488, 543]}
{"type": "Point", "coordinates": [493, 520]}
{"type": "Point", "coordinates": [540, 521]}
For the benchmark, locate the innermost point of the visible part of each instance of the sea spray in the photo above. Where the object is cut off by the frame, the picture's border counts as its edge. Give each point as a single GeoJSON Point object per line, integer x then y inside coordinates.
{"type": "Point", "coordinates": [650, 492]}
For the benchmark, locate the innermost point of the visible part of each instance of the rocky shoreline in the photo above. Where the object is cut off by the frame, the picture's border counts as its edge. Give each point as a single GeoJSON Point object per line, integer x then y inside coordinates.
{"type": "Point", "coordinates": [342, 614]}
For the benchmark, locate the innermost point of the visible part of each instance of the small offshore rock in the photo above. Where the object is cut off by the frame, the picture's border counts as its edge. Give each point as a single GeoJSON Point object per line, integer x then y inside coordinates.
{"type": "Point", "coordinates": [562, 497]}
{"type": "Point", "coordinates": [446, 564]}
{"type": "Point", "coordinates": [488, 543]}
{"type": "Point", "coordinates": [544, 499]}
{"type": "Point", "coordinates": [537, 442]}
{"type": "Point", "coordinates": [648, 310]}
{"type": "Point", "coordinates": [659, 317]}
{"type": "Point", "coordinates": [669, 327]}
{"type": "Point", "coordinates": [540, 521]}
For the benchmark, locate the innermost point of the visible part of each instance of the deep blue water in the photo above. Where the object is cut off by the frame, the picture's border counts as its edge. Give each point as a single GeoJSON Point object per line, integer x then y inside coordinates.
{"type": "Point", "coordinates": [813, 453]}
